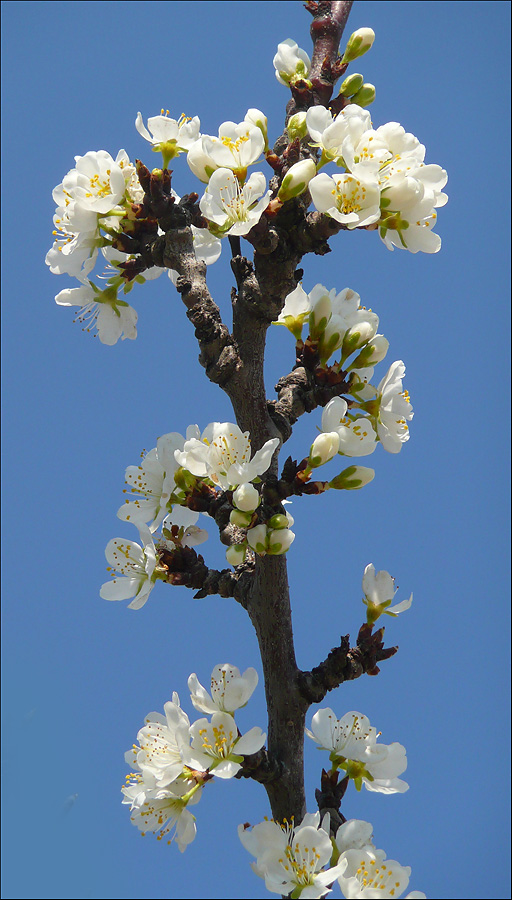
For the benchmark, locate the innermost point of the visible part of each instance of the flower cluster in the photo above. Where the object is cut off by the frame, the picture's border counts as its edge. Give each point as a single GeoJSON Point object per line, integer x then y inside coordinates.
{"type": "Point", "coordinates": [174, 759]}
{"type": "Point", "coordinates": [352, 746]}
{"type": "Point", "coordinates": [366, 872]}
{"type": "Point", "coordinates": [384, 183]}
{"type": "Point", "coordinates": [338, 322]}
{"type": "Point", "coordinates": [293, 860]}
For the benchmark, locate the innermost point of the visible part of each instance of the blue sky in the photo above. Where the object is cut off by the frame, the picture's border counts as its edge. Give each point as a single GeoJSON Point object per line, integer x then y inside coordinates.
{"type": "Point", "coordinates": [80, 674]}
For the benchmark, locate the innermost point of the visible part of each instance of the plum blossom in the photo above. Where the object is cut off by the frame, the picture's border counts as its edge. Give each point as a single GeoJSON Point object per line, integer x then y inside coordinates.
{"type": "Point", "coordinates": [159, 757]}
{"type": "Point", "coordinates": [169, 136]}
{"type": "Point", "coordinates": [137, 566]}
{"type": "Point", "coordinates": [292, 859]}
{"type": "Point", "coordinates": [331, 133]}
{"type": "Point", "coordinates": [153, 482]}
{"type": "Point", "coordinates": [229, 689]}
{"type": "Point", "coordinates": [394, 409]}
{"type": "Point", "coordinates": [352, 746]}
{"type": "Point", "coordinates": [356, 436]}
{"type": "Point", "coordinates": [352, 201]}
{"type": "Point", "coordinates": [236, 147]}
{"type": "Point", "coordinates": [160, 810]}
{"type": "Point", "coordinates": [291, 62]}
{"type": "Point", "coordinates": [379, 590]}
{"type": "Point", "coordinates": [113, 318]}
{"type": "Point", "coordinates": [296, 309]}
{"type": "Point", "coordinates": [367, 873]}
{"type": "Point", "coordinates": [218, 747]}
{"type": "Point", "coordinates": [234, 209]}
{"type": "Point", "coordinates": [222, 453]}
{"type": "Point", "coordinates": [98, 182]}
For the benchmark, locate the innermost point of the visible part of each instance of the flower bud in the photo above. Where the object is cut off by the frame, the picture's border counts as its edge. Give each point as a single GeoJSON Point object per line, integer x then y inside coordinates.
{"type": "Point", "coordinates": [246, 497]}
{"type": "Point", "coordinates": [259, 119]}
{"type": "Point", "coordinates": [280, 541]}
{"type": "Point", "coordinates": [357, 336]}
{"type": "Point", "coordinates": [257, 538]}
{"type": "Point", "coordinates": [358, 43]}
{"type": "Point", "coordinates": [352, 479]}
{"type": "Point", "coordinates": [240, 519]}
{"type": "Point", "coordinates": [235, 554]}
{"type": "Point", "coordinates": [373, 353]}
{"type": "Point", "coordinates": [297, 127]}
{"type": "Point", "coordinates": [351, 85]}
{"type": "Point", "coordinates": [279, 521]}
{"type": "Point", "coordinates": [319, 317]}
{"type": "Point", "coordinates": [184, 479]}
{"type": "Point", "coordinates": [365, 95]}
{"type": "Point", "coordinates": [296, 179]}
{"type": "Point", "coordinates": [324, 448]}
{"type": "Point", "coordinates": [291, 63]}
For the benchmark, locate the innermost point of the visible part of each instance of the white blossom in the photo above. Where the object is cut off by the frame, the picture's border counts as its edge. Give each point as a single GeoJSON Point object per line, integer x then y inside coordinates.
{"type": "Point", "coordinates": [292, 860]}
{"type": "Point", "coordinates": [291, 62]}
{"type": "Point", "coordinates": [98, 182]}
{"type": "Point", "coordinates": [296, 310]}
{"type": "Point", "coordinates": [137, 566]}
{"type": "Point", "coordinates": [229, 689]}
{"type": "Point", "coordinates": [246, 497]}
{"type": "Point", "coordinates": [153, 482]}
{"type": "Point", "coordinates": [217, 746]}
{"type": "Point", "coordinates": [356, 436]}
{"type": "Point", "coordinates": [379, 590]}
{"type": "Point", "coordinates": [113, 318]}
{"type": "Point", "coordinates": [352, 201]}
{"type": "Point", "coordinates": [330, 133]}
{"type": "Point", "coordinates": [236, 147]}
{"type": "Point", "coordinates": [352, 746]}
{"type": "Point", "coordinates": [222, 453]}
{"type": "Point", "coordinates": [394, 409]}
{"type": "Point", "coordinates": [167, 135]}
{"type": "Point", "coordinates": [234, 209]}
{"type": "Point", "coordinates": [354, 834]}
{"type": "Point", "coordinates": [161, 810]}
{"type": "Point", "coordinates": [159, 756]}
{"type": "Point", "coordinates": [367, 873]}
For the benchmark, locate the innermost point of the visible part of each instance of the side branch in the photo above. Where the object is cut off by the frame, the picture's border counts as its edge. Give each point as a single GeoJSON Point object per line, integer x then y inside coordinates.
{"type": "Point", "coordinates": [299, 392]}
{"type": "Point", "coordinates": [345, 663]}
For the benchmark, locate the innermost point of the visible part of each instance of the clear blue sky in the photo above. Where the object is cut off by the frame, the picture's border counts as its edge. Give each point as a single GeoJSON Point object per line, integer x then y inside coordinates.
{"type": "Point", "coordinates": [80, 673]}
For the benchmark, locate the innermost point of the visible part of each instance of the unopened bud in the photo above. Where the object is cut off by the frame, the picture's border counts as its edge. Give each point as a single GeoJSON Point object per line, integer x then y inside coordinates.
{"type": "Point", "coordinates": [357, 336]}
{"type": "Point", "coordinates": [351, 85]}
{"type": "Point", "coordinates": [320, 315]}
{"type": "Point", "coordinates": [278, 521]}
{"type": "Point", "coordinates": [246, 497]}
{"type": "Point", "coordinates": [297, 127]}
{"type": "Point", "coordinates": [280, 541]}
{"type": "Point", "coordinates": [365, 95]}
{"type": "Point", "coordinates": [235, 554]}
{"type": "Point", "coordinates": [184, 479]}
{"type": "Point", "coordinates": [358, 43]}
{"type": "Point", "coordinates": [324, 448]}
{"type": "Point", "coordinates": [240, 519]}
{"type": "Point", "coordinates": [257, 538]}
{"type": "Point", "coordinates": [352, 479]}
{"type": "Point", "coordinates": [297, 179]}
{"type": "Point", "coordinates": [373, 353]}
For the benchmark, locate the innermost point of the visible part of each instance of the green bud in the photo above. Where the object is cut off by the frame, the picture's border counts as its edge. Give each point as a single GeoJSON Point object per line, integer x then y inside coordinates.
{"type": "Point", "coordinates": [239, 518]}
{"type": "Point", "coordinates": [184, 479]}
{"type": "Point", "coordinates": [358, 43]}
{"type": "Point", "coordinates": [296, 127]}
{"type": "Point", "coordinates": [297, 179]}
{"type": "Point", "coordinates": [352, 478]}
{"type": "Point", "coordinates": [351, 85]}
{"type": "Point", "coordinates": [365, 95]}
{"type": "Point", "coordinates": [278, 521]}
